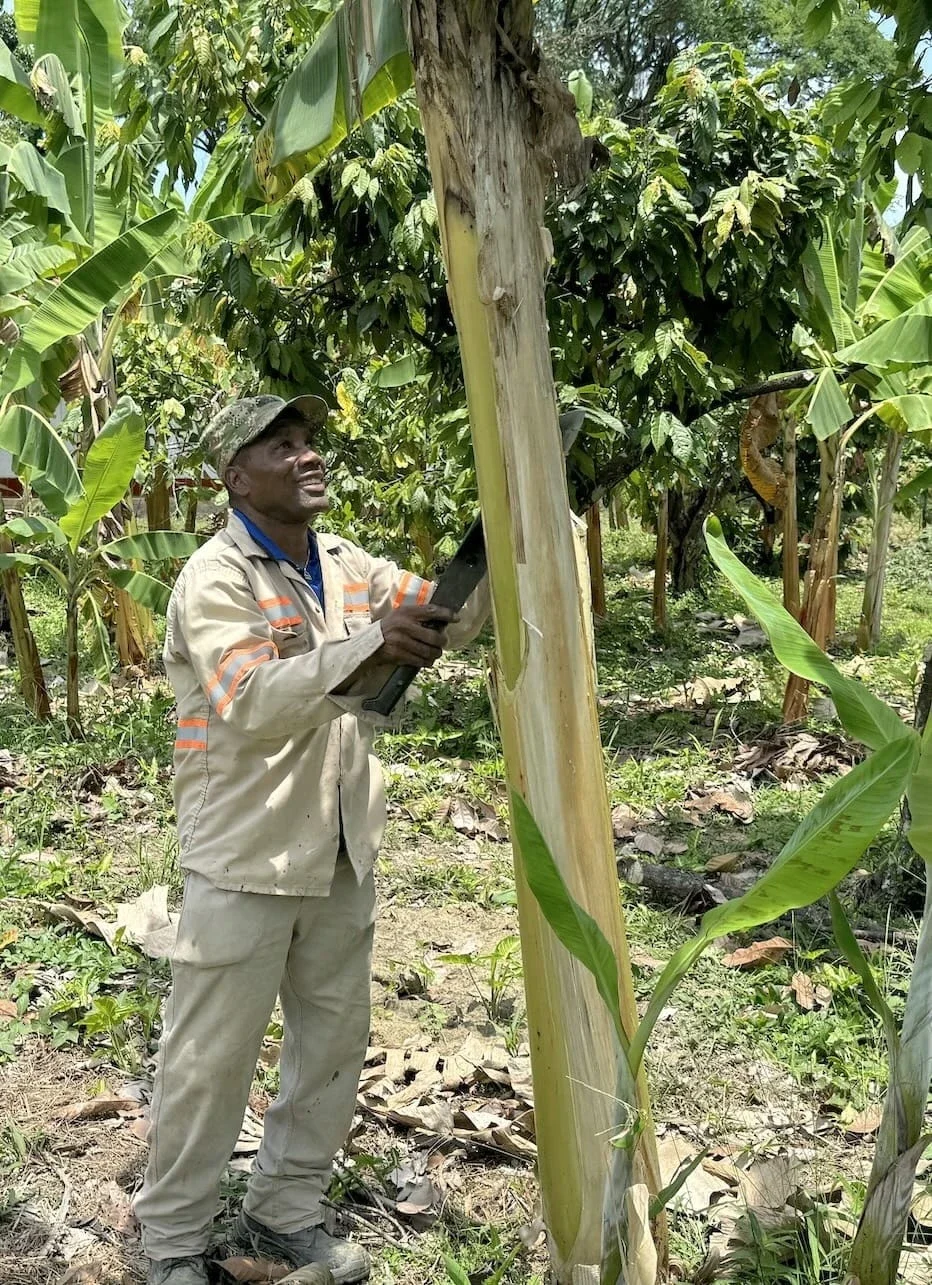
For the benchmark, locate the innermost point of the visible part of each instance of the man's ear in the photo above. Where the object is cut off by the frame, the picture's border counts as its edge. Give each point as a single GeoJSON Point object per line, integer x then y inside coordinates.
{"type": "Point", "coordinates": [236, 481]}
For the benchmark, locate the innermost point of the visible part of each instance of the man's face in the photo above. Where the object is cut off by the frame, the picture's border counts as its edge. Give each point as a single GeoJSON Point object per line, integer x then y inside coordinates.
{"type": "Point", "coordinates": [281, 475]}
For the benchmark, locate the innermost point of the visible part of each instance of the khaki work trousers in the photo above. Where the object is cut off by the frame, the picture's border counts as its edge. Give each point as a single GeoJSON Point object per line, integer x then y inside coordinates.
{"type": "Point", "coordinates": [237, 951]}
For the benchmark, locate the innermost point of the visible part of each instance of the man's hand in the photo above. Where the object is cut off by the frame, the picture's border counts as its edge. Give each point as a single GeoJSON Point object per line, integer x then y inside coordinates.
{"type": "Point", "coordinates": [414, 635]}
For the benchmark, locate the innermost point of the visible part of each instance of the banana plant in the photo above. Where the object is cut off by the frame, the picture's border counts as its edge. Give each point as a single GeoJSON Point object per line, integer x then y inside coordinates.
{"type": "Point", "coordinates": [84, 565]}
{"type": "Point", "coordinates": [825, 847]}
{"type": "Point", "coordinates": [854, 298]}
{"type": "Point", "coordinates": [493, 126]}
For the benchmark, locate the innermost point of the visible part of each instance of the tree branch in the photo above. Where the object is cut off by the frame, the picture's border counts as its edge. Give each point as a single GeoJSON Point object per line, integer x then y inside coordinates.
{"type": "Point", "coordinates": [795, 379]}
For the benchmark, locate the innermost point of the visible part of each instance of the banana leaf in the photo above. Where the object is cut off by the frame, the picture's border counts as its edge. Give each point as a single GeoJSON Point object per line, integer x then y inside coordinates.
{"type": "Point", "coordinates": [863, 715]}
{"type": "Point", "coordinates": [87, 35]}
{"type": "Point", "coordinates": [358, 64]}
{"type": "Point", "coordinates": [906, 340]}
{"type": "Point", "coordinates": [153, 545]}
{"type": "Point", "coordinates": [144, 589]}
{"type": "Point", "coordinates": [825, 847]}
{"type": "Point", "coordinates": [40, 458]}
{"type": "Point", "coordinates": [85, 292]}
{"type": "Point", "coordinates": [108, 469]}
{"type": "Point", "coordinates": [828, 409]}
{"type": "Point", "coordinates": [16, 95]}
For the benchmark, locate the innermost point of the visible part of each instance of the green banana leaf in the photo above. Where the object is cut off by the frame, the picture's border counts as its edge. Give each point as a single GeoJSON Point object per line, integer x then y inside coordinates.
{"type": "Point", "coordinates": [900, 1142]}
{"type": "Point", "coordinates": [828, 409]}
{"type": "Point", "coordinates": [825, 847]}
{"type": "Point", "coordinates": [918, 485]}
{"type": "Point", "coordinates": [864, 716]}
{"type": "Point", "coordinates": [32, 261]}
{"type": "Point", "coordinates": [859, 963]}
{"type": "Point", "coordinates": [920, 800]}
{"type": "Point", "coordinates": [358, 64]}
{"type": "Point", "coordinates": [50, 73]}
{"type": "Point", "coordinates": [85, 292]}
{"type": "Point", "coordinates": [153, 545]}
{"type": "Point", "coordinates": [823, 275]}
{"type": "Point", "coordinates": [40, 458]}
{"type": "Point", "coordinates": [218, 190]}
{"type": "Point", "coordinates": [38, 177]}
{"type": "Point", "coordinates": [906, 340]}
{"type": "Point", "coordinates": [108, 469]}
{"type": "Point", "coordinates": [575, 928]}
{"type": "Point", "coordinates": [16, 96]}
{"type": "Point", "coordinates": [34, 530]}
{"type": "Point", "coordinates": [101, 655]}
{"type": "Point", "coordinates": [87, 35]}
{"type": "Point", "coordinates": [906, 283]}
{"type": "Point", "coordinates": [145, 589]}
{"type": "Point", "coordinates": [19, 561]}
{"type": "Point", "coordinates": [910, 413]}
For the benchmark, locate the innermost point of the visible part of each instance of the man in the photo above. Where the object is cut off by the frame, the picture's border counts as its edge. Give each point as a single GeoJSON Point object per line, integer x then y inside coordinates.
{"type": "Point", "coordinates": [275, 635]}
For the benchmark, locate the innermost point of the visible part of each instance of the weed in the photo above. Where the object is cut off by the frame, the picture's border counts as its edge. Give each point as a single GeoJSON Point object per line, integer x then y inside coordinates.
{"type": "Point", "coordinates": [492, 975]}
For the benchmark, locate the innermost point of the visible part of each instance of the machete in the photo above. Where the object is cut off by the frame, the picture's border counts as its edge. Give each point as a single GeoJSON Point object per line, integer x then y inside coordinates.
{"type": "Point", "coordinates": [466, 569]}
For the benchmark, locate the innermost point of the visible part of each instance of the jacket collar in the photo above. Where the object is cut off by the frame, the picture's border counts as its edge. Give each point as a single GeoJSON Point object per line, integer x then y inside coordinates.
{"type": "Point", "coordinates": [237, 532]}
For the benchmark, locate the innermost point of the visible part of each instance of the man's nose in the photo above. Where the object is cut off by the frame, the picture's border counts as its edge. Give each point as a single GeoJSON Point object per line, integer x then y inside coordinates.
{"type": "Point", "coordinates": [310, 458]}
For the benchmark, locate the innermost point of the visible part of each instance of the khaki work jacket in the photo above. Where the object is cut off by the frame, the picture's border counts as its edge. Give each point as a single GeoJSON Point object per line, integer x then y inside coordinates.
{"type": "Point", "coordinates": [268, 758]}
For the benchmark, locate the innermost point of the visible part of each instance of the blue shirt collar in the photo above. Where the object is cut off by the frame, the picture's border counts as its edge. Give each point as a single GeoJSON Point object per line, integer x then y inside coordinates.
{"type": "Point", "coordinates": [311, 571]}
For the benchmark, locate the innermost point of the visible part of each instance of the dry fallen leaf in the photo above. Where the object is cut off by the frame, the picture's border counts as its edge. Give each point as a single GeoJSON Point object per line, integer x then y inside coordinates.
{"type": "Point", "coordinates": [701, 1188]}
{"type": "Point", "coordinates": [736, 801]}
{"type": "Point", "coordinates": [8, 938]}
{"type": "Point", "coordinates": [104, 1107]}
{"type": "Point", "coordinates": [770, 1183]}
{"type": "Point", "coordinates": [624, 821]}
{"type": "Point", "coordinates": [147, 923]}
{"type": "Point", "coordinates": [759, 953]}
{"type": "Point", "coordinates": [85, 1274]}
{"type": "Point", "coordinates": [474, 819]}
{"type": "Point", "coordinates": [116, 1208]}
{"type": "Point", "coordinates": [61, 913]}
{"type": "Point", "coordinates": [254, 1269]}
{"type": "Point", "coordinates": [722, 862]}
{"type": "Point", "coordinates": [803, 988]}
{"type": "Point", "coordinates": [866, 1121]}
{"type": "Point", "coordinates": [8, 1010]}
{"type": "Point", "coordinates": [645, 842]}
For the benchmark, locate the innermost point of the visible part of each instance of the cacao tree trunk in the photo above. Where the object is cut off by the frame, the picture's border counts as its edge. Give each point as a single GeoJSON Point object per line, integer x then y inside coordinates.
{"type": "Point", "coordinates": [790, 521]}
{"type": "Point", "coordinates": [596, 564]}
{"type": "Point", "coordinates": [31, 676]}
{"type": "Point", "coordinates": [817, 615]}
{"type": "Point", "coordinates": [72, 671]}
{"type": "Point", "coordinates": [661, 557]}
{"type": "Point", "coordinates": [686, 515]}
{"type": "Point", "coordinates": [159, 498]}
{"type": "Point", "coordinates": [190, 511]}
{"type": "Point", "coordinates": [496, 126]}
{"type": "Point", "coordinates": [872, 606]}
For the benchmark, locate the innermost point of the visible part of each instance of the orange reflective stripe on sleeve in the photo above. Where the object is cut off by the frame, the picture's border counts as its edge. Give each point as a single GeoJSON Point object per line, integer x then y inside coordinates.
{"type": "Point", "coordinates": [402, 589]}
{"type": "Point", "coordinates": [237, 662]}
{"type": "Point", "coordinates": [412, 591]}
{"type": "Point", "coordinates": [238, 677]}
{"type": "Point", "coordinates": [190, 745]}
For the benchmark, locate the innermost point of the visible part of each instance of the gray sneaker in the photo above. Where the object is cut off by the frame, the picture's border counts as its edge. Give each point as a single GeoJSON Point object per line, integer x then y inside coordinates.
{"type": "Point", "coordinates": [347, 1262]}
{"type": "Point", "coordinates": [178, 1271]}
